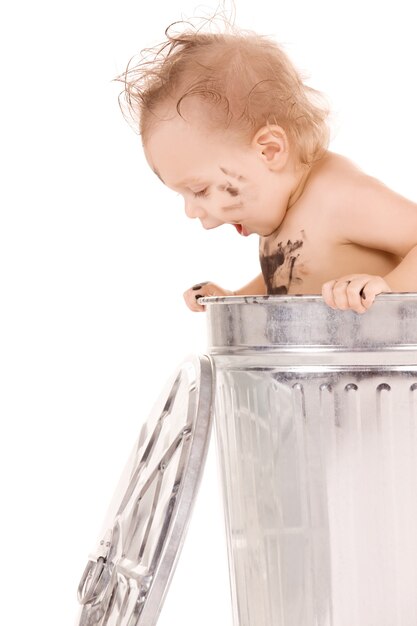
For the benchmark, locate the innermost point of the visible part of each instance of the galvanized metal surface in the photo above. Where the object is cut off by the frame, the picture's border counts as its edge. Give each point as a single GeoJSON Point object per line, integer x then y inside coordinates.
{"type": "Point", "coordinates": [316, 420]}
{"type": "Point", "coordinates": [127, 576]}
{"type": "Point", "coordinates": [259, 323]}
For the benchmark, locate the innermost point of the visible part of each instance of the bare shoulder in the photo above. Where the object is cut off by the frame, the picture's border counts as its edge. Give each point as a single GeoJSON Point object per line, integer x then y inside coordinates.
{"type": "Point", "coordinates": [339, 184]}
{"type": "Point", "coordinates": [336, 185]}
{"type": "Point", "coordinates": [334, 172]}
{"type": "Point", "coordinates": [333, 189]}
{"type": "Point", "coordinates": [355, 207]}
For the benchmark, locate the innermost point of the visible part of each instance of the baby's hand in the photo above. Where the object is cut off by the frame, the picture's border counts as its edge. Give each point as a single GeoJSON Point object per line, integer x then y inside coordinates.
{"type": "Point", "coordinates": [192, 295]}
{"type": "Point", "coordinates": [355, 291]}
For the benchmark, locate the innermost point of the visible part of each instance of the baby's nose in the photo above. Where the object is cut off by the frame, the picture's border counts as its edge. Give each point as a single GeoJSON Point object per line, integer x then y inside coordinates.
{"type": "Point", "coordinates": [192, 210]}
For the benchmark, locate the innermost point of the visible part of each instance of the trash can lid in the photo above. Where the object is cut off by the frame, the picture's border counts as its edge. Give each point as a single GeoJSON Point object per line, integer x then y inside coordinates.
{"type": "Point", "coordinates": [126, 578]}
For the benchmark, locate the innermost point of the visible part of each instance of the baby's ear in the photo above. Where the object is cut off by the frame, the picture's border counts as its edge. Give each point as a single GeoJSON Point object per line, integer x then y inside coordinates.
{"type": "Point", "coordinates": [271, 143]}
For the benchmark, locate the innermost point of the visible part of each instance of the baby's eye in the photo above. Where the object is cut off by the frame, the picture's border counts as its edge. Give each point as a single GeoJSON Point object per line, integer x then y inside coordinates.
{"type": "Point", "coordinates": [199, 194]}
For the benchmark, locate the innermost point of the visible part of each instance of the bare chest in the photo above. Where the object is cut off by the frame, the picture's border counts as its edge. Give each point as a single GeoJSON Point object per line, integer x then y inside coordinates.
{"type": "Point", "coordinates": [299, 260]}
{"type": "Point", "coordinates": [286, 261]}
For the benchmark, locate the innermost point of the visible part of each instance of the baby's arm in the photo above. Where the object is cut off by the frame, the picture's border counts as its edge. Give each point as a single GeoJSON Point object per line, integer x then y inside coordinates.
{"type": "Point", "coordinates": [256, 287]}
{"type": "Point", "coordinates": [374, 216]}
{"type": "Point", "coordinates": [191, 296]}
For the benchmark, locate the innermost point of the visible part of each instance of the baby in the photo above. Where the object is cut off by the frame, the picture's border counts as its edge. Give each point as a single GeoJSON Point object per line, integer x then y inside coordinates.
{"type": "Point", "coordinates": [227, 122]}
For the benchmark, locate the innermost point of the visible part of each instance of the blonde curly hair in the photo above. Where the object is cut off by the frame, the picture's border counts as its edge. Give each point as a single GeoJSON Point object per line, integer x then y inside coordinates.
{"type": "Point", "coordinates": [247, 80]}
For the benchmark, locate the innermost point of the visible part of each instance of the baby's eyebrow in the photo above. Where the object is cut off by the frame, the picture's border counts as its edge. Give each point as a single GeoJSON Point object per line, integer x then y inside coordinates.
{"type": "Point", "coordinates": [183, 183]}
{"type": "Point", "coordinates": [188, 181]}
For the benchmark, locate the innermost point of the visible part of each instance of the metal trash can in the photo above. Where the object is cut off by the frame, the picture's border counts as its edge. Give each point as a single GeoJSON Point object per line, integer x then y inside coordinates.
{"type": "Point", "coordinates": [316, 423]}
{"type": "Point", "coordinates": [316, 418]}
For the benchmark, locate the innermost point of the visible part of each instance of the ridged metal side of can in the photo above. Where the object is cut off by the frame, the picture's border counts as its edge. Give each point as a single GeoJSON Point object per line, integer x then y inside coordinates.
{"type": "Point", "coordinates": [316, 421]}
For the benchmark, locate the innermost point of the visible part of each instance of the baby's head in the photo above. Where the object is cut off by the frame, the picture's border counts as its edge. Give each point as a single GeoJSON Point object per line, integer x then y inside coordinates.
{"type": "Point", "coordinates": [203, 98]}
{"type": "Point", "coordinates": [245, 80]}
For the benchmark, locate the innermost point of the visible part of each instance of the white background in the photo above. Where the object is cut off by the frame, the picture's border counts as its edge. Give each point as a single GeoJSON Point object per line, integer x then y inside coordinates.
{"type": "Point", "coordinates": [95, 254]}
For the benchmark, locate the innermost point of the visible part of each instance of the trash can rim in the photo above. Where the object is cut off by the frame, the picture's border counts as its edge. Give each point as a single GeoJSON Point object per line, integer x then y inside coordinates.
{"type": "Point", "coordinates": [284, 298]}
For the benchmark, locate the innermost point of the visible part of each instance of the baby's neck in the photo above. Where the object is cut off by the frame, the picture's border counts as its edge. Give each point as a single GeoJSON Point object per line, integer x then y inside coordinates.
{"type": "Point", "coordinates": [301, 175]}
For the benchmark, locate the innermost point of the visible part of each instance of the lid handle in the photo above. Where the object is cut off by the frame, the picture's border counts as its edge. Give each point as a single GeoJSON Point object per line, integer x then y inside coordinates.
{"type": "Point", "coordinates": [87, 589]}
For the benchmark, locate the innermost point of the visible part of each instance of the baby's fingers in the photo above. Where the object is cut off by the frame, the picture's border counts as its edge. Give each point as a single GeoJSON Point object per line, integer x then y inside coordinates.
{"type": "Point", "coordinates": [334, 294]}
{"type": "Point", "coordinates": [193, 295]}
{"type": "Point", "coordinates": [355, 292]}
{"type": "Point", "coordinates": [372, 288]}
{"type": "Point", "coordinates": [346, 293]}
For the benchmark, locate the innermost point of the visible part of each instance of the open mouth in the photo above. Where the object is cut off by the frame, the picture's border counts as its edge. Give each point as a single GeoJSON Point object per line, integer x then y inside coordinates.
{"type": "Point", "coordinates": [241, 230]}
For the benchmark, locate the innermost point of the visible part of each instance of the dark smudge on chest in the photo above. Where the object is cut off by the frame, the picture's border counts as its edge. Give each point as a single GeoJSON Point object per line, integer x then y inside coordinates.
{"type": "Point", "coordinates": [279, 265]}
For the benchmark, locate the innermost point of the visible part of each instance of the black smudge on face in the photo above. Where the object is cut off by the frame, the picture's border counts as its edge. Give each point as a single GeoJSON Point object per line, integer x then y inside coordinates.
{"type": "Point", "coordinates": [233, 191]}
{"type": "Point", "coordinates": [232, 174]}
{"type": "Point", "coordinates": [278, 266]}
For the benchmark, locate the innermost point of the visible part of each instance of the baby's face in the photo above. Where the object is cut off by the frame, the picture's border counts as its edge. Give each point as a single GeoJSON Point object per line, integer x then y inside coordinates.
{"type": "Point", "coordinates": [222, 182]}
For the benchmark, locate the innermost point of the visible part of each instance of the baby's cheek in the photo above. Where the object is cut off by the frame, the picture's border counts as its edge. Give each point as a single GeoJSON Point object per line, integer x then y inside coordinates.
{"type": "Point", "coordinates": [250, 193]}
